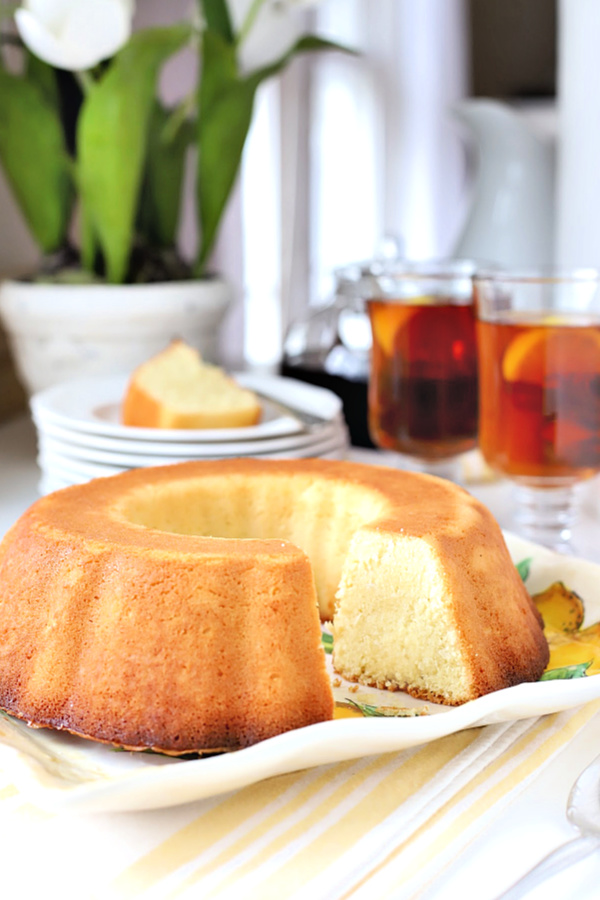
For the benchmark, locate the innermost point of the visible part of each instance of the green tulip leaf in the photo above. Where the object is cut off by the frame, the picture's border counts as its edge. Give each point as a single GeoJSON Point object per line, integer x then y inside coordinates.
{"type": "Point", "coordinates": [163, 178]}
{"type": "Point", "coordinates": [112, 141]}
{"type": "Point", "coordinates": [307, 44]}
{"type": "Point", "coordinates": [226, 106]}
{"type": "Point", "coordinates": [35, 159]}
{"type": "Point", "coordinates": [44, 76]}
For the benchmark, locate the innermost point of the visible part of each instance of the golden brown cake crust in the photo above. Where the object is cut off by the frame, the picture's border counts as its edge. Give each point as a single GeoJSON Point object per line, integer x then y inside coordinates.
{"type": "Point", "coordinates": [500, 628]}
{"type": "Point", "coordinates": [144, 637]}
{"type": "Point", "coordinates": [129, 635]}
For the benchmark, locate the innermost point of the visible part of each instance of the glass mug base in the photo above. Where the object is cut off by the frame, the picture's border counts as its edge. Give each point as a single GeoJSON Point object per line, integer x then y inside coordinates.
{"type": "Point", "coordinates": [546, 515]}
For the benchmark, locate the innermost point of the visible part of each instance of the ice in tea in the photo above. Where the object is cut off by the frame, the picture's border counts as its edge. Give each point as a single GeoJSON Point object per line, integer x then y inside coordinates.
{"type": "Point", "coordinates": [423, 384]}
{"type": "Point", "coordinates": [540, 396]}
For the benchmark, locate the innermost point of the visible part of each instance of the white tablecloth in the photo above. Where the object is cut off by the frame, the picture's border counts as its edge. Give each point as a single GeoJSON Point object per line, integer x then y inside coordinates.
{"type": "Point", "coordinates": [48, 853]}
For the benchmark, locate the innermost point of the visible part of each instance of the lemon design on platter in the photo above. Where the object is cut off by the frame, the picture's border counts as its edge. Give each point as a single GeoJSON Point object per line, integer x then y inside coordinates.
{"type": "Point", "coordinates": [570, 646]}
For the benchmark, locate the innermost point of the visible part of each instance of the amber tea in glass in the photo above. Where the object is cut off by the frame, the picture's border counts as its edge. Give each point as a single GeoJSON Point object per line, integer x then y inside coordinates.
{"type": "Point", "coordinates": [423, 385]}
{"type": "Point", "coordinates": [539, 401]}
{"type": "Point", "coordinates": [540, 379]}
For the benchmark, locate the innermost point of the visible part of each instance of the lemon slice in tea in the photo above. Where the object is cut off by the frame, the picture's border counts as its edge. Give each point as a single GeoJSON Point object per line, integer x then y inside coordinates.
{"type": "Point", "coordinates": [388, 318]}
{"type": "Point", "coordinates": [551, 349]}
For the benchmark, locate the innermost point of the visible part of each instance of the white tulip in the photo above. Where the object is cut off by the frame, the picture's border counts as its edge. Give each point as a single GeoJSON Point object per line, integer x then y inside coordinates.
{"type": "Point", "coordinates": [74, 34]}
{"type": "Point", "coordinates": [277, 25]}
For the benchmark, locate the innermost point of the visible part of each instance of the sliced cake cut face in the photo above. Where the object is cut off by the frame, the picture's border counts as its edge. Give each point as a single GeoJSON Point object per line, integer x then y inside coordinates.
{"type": "Point", "coordinates": [423, 613]}
{"type": "Point", "coordinates": [177, 389]}
{"type": "Point", "coordinates": [395, 625]}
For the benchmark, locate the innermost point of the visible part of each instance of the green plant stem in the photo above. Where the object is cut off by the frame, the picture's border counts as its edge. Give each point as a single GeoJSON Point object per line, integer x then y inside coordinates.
{"type": "Point", "coordinates": [85, 80]}
{"type": "Point", "coordinates": [249, 21]}
{"type": "Point", "coordinates": [180, 114]}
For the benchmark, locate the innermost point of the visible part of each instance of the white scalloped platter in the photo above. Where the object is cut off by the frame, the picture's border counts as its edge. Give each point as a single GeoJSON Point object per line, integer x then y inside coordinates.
{"type": "Point", "coordinates": [61, 772]}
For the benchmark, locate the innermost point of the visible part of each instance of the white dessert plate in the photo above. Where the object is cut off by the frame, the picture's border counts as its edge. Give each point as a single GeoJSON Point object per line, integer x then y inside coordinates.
{"type": "Point", "coordinates": [154, 453]}
{"type": "Point", "coordinates": [51, 455]}
{"type": "Point", "coordinates": [60, 471]}
{"type": "Point", "coordinates": [58, 474]}
{"type": "Point", "coordinates": [92, 406]}
{"type": "Point", "coordinates": [61, 772]}
{"type": "Point", "coordinates": [76, 472]}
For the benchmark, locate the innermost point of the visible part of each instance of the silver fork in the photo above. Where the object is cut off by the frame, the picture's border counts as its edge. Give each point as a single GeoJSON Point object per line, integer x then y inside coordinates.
{"type": "Point", "coordinates": [583, 811]}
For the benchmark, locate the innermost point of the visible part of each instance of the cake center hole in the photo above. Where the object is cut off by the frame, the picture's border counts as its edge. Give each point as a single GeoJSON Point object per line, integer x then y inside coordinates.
{"type": "Point", "coordinates": [318, 515]}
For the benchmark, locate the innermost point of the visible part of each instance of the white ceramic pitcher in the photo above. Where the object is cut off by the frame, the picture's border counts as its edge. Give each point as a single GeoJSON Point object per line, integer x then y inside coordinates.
{"type": "Point", "coordinates": [512, 211]}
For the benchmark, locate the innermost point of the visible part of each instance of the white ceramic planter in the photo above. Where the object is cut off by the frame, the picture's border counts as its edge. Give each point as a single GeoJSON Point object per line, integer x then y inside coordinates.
{"type": "Point", "coordinates": [59, 332]}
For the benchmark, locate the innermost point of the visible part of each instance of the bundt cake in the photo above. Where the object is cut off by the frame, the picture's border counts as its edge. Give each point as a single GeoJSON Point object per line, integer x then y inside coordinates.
{"type": "Point", "coordinates": [177, 389]}
{"type": "Point", "coordinates": [173, 608]}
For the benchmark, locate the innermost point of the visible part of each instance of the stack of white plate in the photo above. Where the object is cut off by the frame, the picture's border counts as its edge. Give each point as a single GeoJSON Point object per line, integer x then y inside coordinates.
{"type": "Point", "coordinates": [80, 436]}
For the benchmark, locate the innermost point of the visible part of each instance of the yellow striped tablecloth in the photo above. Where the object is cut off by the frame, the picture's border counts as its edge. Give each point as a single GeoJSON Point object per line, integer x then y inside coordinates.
{"type": "Point", "coordinates": [380, 827]}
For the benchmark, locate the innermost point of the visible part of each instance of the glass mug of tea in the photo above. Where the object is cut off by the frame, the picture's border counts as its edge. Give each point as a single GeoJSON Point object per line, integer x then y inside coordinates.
{"type": "Point", "coordinates": [423, 372]}
{"type": "Point", "coordinates": [539, 365]}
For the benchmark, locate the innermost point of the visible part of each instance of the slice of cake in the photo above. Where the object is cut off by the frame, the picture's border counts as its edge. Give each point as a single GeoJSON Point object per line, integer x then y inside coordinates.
{"type": "Point", "coordinates": [177, 389]}
{"type": "Point", "coordinates": [419, 611]}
